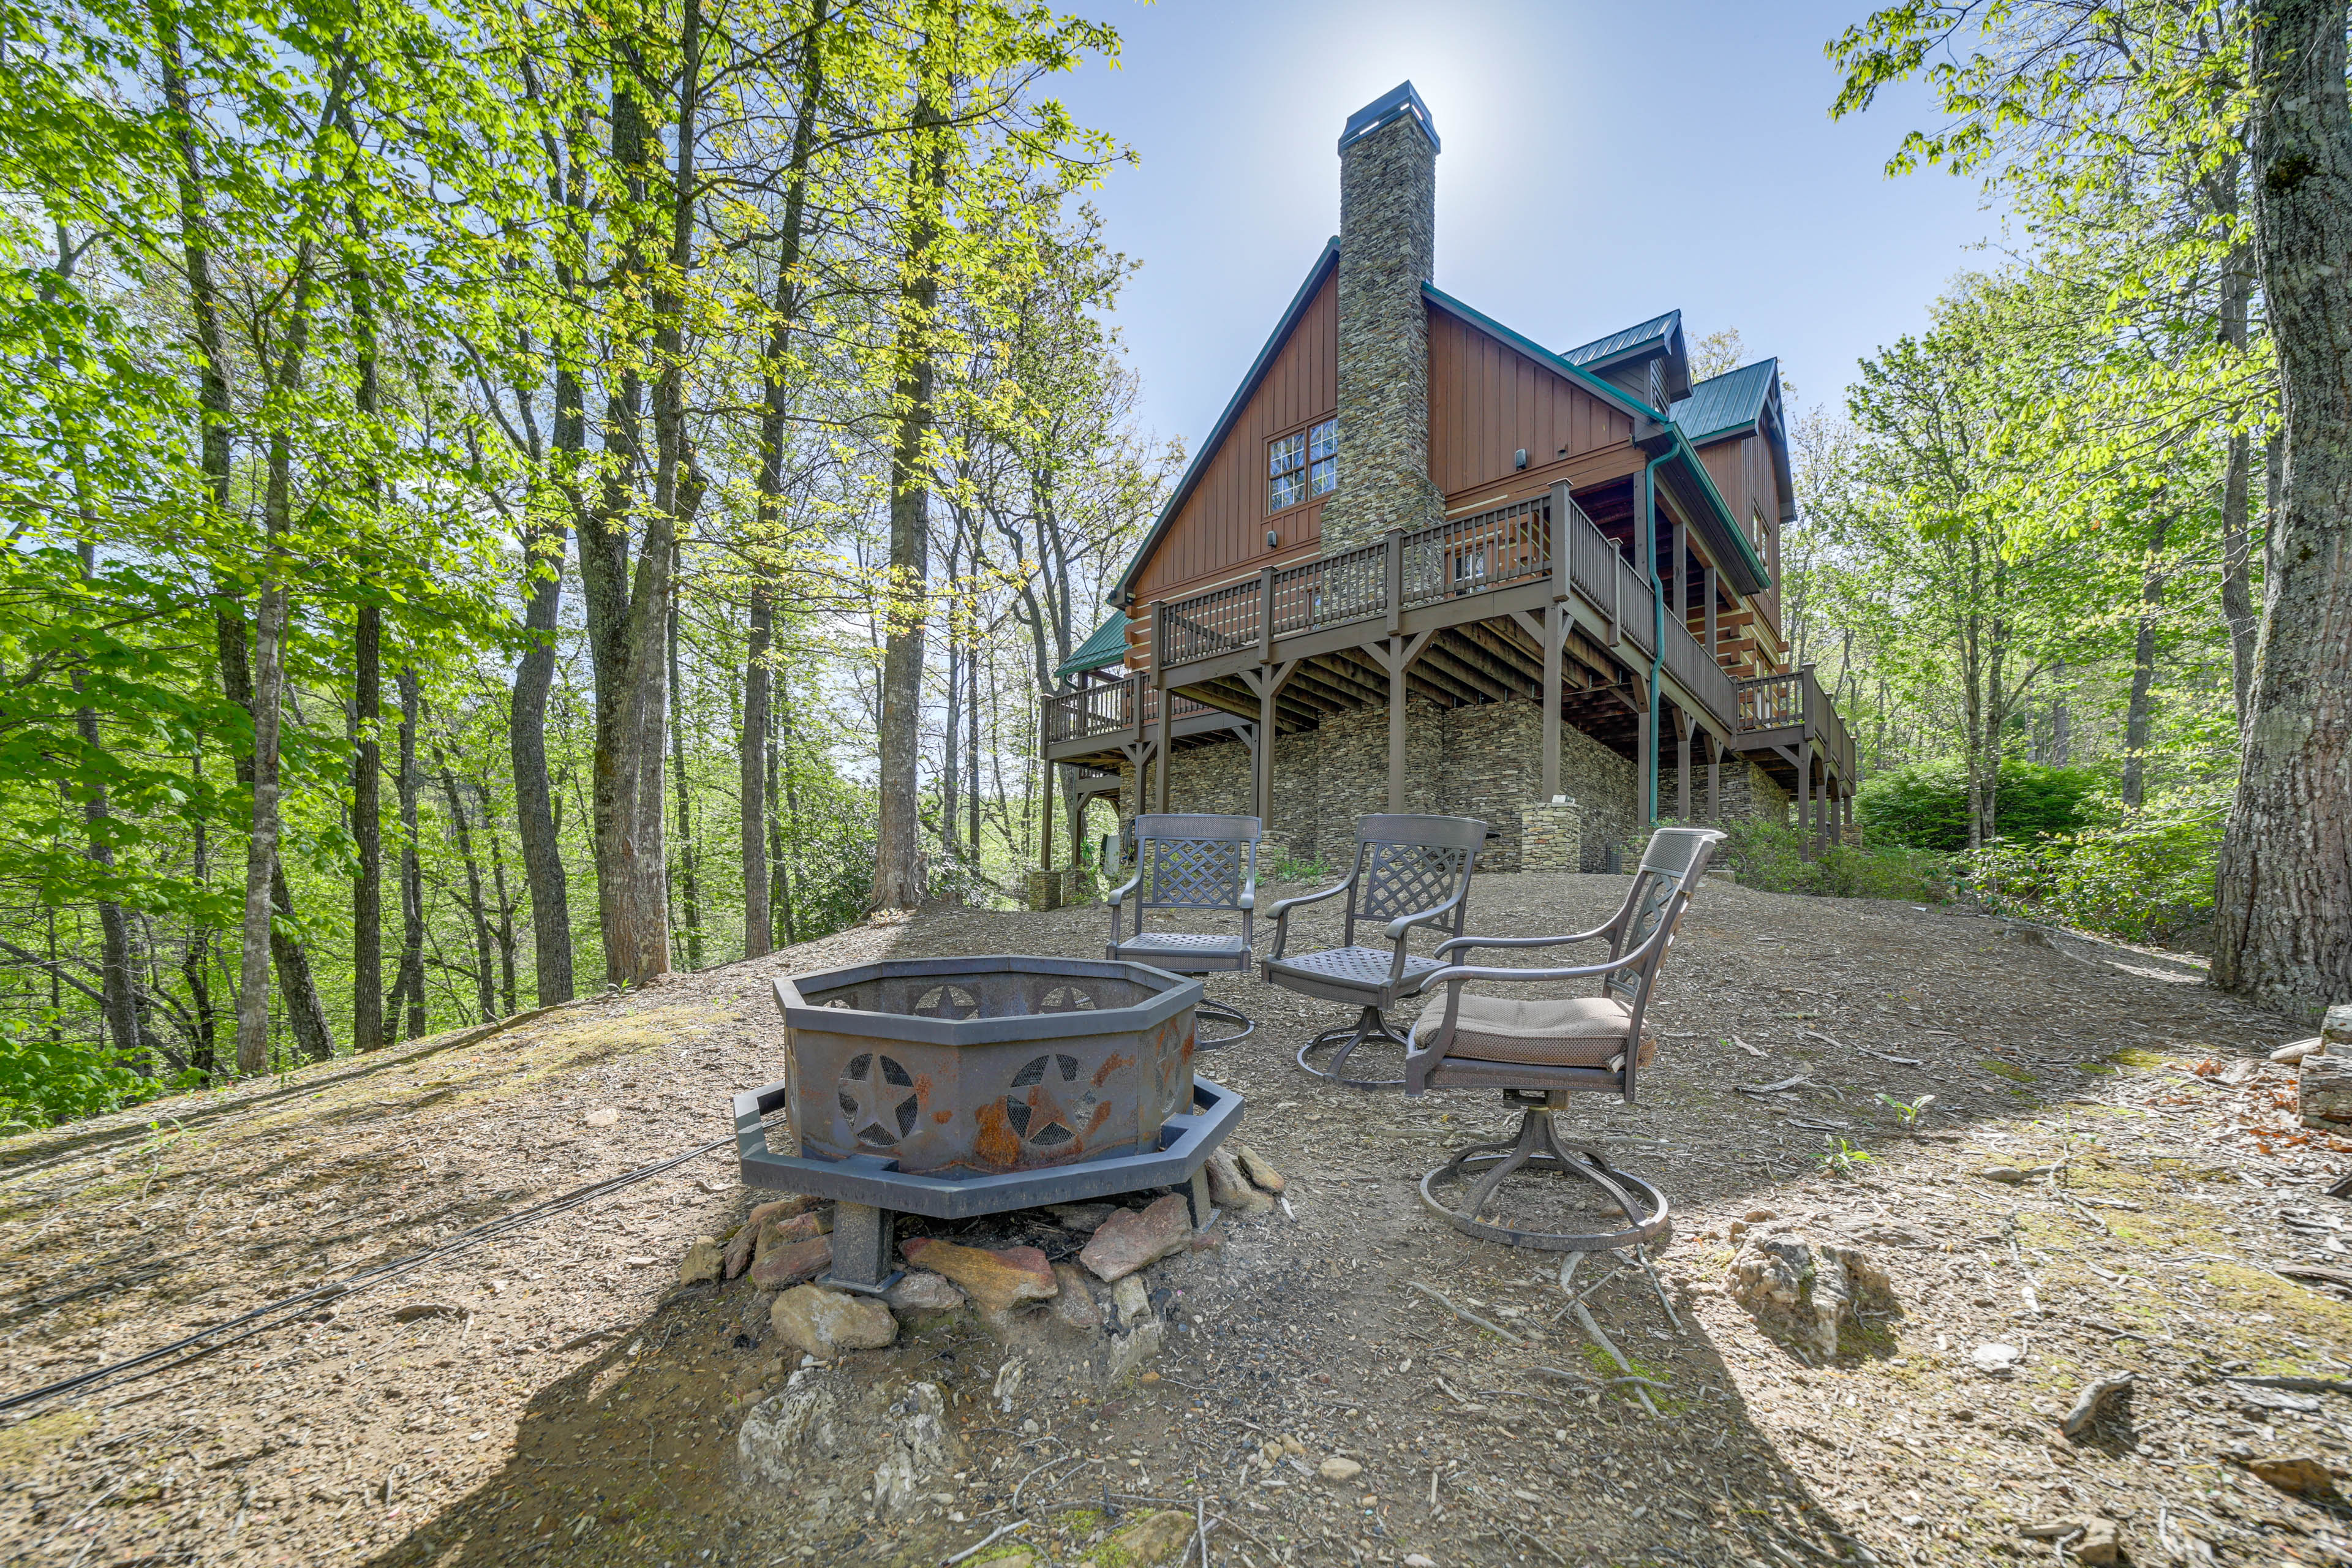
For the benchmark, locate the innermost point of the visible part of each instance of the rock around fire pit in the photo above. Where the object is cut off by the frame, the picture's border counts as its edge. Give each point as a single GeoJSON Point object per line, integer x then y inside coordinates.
{"type": "Point", "coordinates": [961, 1087]}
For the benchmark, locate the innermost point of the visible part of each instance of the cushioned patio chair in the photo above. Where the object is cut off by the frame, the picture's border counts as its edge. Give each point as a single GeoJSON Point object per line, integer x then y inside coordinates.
{"type": "Point", "coordinates": [1191, 861]}
{"type": "Point", "coordinates": [1409, 871]}
{"type": "Point", "coordinates": [1539, 1051]}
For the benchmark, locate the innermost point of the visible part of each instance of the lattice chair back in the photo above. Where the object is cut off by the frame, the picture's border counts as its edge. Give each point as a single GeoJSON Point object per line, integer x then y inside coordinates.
{"type": "Point", "coordinates": [1676, 859]}
{"type": "Point", "coordinates": [1192, 860]}
{"type": "Point", "coordinates": [1405, 864]}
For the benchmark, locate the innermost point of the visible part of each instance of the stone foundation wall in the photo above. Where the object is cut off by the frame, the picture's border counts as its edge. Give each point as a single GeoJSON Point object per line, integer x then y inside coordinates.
{"type": "Point", "coordinates": [1748, 791]}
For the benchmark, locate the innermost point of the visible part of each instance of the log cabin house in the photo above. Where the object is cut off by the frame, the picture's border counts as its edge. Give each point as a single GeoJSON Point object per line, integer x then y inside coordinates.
{"type": "Point", "coordinates": [1422, 563]}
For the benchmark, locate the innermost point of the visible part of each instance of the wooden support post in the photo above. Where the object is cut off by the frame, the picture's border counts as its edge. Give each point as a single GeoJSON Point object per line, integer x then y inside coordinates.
{"type": "Point", "coordinates": [1564, 504]}
{"type": "Point", "coordinates": [1645, 779]}
{"type": "Point", "coordinates": [1167, 708]}
{"type": "Point", "coordinates": [1268, 683]}
{"type": "Point", "coordinates": [1394, 580]}
{"type": "Point", "coordinates": [1046, 839]}
{"type": "Point", "coordinates": [1804, 789]}
{"type": "Point", "coordinates": [1713, 642]}
{"type": "Point", "coordinates": [1396, 707]}
{"type": "Point", "coordinates": [1266, 614]}
{"type": "Point", "coordinates": [1713, 779]}
{"type": "Point", "coordinates": [1555, 618]}
{"type": "Point", "coordinates": [1680, 598]}
{"type": "Point", "coordinates": [1682, 766]}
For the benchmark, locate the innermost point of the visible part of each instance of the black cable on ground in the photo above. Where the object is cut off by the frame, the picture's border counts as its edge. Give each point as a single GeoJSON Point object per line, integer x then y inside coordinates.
{"type": "Point", "coordinates": [252, 1322]}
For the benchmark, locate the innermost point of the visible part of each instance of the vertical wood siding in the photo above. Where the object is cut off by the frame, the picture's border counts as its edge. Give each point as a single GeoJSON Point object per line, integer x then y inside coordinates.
{"type": "Point", "coordinates": [1221, 529]}
{"type": "Point", "coordinates": [1487, 400]}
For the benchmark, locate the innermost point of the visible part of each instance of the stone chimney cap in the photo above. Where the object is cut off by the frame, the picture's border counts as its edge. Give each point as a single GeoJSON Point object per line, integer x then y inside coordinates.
{"type": "Point", "coordinates": [1398, 102]}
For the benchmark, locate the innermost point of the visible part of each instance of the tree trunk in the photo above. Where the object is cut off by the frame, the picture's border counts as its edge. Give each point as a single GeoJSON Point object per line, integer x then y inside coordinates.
{"type": "Point", "coordinates": [367, 832]}
{"type": "Point", "coordinates": [484, 993]}
{"type": "Point", "coordinates": [2135, 714]}
{"type": "Point", "coordinates": [753, 770]}
{"type": "Point", "coordinates": [2283, 904]}
{"type": "Point", "coordinates": [783, 825]}
{"type": "Point", "coordinates": [898, 879]}
{"type": "Point", "coordinates": [689, 890]}
{"type": "Point", "coordinates": [505, 927]}
{"type": "Point", "coordinates": [408, 983]}
{"type": "Point", "coordinates": [542, 849]}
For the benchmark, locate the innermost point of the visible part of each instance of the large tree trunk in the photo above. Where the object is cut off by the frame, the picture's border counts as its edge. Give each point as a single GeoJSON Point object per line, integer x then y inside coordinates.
{"type": "Point", "coordinates": [367, 832]}
{"type": "Point", "coordinates": [898, 879]}
{"type": "Point", "coordinates": [751, 774]}
{"type": "Point", "coordinates": [542, 849]}
{"type": "Point", "coordinates": [2284, 903]}
{"type": "Point", "coordinates": [485, 994]}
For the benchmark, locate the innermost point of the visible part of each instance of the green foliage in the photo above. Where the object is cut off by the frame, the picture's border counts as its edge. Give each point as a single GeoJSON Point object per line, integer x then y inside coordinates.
{"type": "Point", "coordinates": [45, 1080]}
{"type": "Point", "coordinates": [1770, 855]}
{"type": "Point", "coordinates": [1840, 1158]}
{"type": "Point", "coordinates": [1925, 805]}
{"type": "Point", "coordinates": [2147, 878]}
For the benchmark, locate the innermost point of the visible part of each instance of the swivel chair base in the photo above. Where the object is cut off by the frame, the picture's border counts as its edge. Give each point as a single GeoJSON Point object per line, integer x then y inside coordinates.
{"type": "Point", "coordinates": [1483, 1167]}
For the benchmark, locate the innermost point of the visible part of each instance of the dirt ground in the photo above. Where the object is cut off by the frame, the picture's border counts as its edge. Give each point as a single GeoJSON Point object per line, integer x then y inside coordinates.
{"type": "Point", "coordinates": [554, 1395]}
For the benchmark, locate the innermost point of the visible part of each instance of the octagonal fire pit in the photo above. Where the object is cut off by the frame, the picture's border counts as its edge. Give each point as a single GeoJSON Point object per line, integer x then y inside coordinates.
{"type": "Point", "coordinates": [966, 1085]}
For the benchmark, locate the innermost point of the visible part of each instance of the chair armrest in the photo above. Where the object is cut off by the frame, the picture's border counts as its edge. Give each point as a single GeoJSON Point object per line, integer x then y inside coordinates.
{"type": "Point", "coordinates": [1118, 895]}
{"type": "Point", "coordinates": [1282, 908]}
{"type": "Point", "coordinates": [1466, 944]}
{"type": "Point", "coordinates": [1396, 929]}
{"type": "Point", "coordinates": [1281, 911]}
{"type": "Point", "coordinates": [1460, 971]}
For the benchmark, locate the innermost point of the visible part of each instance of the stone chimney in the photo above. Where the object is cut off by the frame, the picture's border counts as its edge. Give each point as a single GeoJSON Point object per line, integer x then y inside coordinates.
{"type": "Point", "coordinates": [1388, 246]}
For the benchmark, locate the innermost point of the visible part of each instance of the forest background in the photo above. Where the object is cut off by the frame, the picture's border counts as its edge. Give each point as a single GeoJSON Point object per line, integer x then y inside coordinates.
{"type": "Point", "coordinates": [503, 503]}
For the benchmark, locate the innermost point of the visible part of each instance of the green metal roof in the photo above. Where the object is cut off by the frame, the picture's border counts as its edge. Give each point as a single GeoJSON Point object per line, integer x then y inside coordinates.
{"type": "Point", "coordinates": [1106, 645]}
{"type": "Point", "coordinates": [1654, 328]}
{"type": "Point", "coordinates": [1731, 401]}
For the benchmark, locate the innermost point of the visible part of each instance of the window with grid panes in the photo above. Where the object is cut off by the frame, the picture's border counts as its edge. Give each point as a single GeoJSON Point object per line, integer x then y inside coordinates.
{"type": "Point", "coordinates": [1302, 464]}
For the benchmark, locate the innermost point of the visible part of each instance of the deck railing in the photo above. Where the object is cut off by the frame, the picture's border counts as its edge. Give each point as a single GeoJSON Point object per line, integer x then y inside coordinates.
{"type": "Point", "coordinates": [1498, 549]}
{"type": "Point", "coordinates": [1796, 701]}
{"type": "Point", "coordinates": [1107, 708]}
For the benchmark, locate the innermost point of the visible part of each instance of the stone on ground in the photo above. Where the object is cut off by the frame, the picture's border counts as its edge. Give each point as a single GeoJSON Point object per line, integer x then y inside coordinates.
{"type": "Point", "coordinates": [825, 1323]}
{"type": "Point", "coordinates": [1229, 1189]}
{"type": "Point", "coordinates": [1075, 1307]}
{"type": "Point", "coordinates": [1131, 1350]}
{"type": "Point", "coordinates": [1132, 1301]}
{"type": "Point", "coordinates": [1257, 1168]}
{"type": "Point", "coordinates": [791, 1265]}
{"type": "Point", "coordinates": [916, 1448]}
{"type": "Point", "coordinates": [739, 1250]}
{"type": "Point", "coordinates": [1806, 1292]}
{"type": "Point", "coordinates": [702, 1262]}
{"type": "Point", "coordinates": [996, 1279]}
{"type": "Point", "coordinates": [1337, 1469]}
{"type": "Point", "coordinates": [2297, 1473]}
{"type": "Point", "coordinates": [1148, 1542]}
{"type": "Point", "coordinates": [1132, 1238]}
{"type": "Point", "coordinates": [923, 1294]}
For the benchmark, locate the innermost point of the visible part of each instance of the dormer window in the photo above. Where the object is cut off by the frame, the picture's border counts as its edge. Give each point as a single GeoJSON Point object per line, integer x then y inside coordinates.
{"type": "Point", "coordinates": [1302, 464]}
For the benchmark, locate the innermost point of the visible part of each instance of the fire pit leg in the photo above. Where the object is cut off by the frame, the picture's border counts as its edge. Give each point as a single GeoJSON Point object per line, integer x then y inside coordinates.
{"type": "Point", "coordinates": [863, 1241]}
{"type": "Point", "coordinates": [1196, 1197]}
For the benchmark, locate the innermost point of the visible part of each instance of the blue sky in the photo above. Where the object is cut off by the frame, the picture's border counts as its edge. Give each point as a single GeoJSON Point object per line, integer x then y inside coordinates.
{"type": "Point", "coordinates": [1602, 163]}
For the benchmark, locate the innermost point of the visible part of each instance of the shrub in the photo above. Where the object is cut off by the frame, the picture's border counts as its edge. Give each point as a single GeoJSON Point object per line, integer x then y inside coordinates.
{"type": "Point", "coordinates": [44, 1082]}
{"type": "Point", "coordinates": [1925, 805]}
{"type": "Point", "coordinates": [1769, 855]}
{"type": "Point", "coordinates": [2145, 878]}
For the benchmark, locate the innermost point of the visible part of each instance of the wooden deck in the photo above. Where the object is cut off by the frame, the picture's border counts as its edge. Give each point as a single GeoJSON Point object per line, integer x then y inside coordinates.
{"type": "Point", "coordinates": [1527, 600]}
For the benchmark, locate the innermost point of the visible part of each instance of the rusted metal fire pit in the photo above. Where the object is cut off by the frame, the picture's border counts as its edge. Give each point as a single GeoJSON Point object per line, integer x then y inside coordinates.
{"type": "Point", "coordinates": [968, 1085]}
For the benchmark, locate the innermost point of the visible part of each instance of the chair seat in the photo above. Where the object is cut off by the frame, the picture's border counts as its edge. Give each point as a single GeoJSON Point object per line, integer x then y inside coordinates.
{"type": "Point", "coordinates": [1365, 967]}
{"type": "Point", "coordinates": [1541, 1031]}
{"type": "Point", "coordinates": [1182, 945]}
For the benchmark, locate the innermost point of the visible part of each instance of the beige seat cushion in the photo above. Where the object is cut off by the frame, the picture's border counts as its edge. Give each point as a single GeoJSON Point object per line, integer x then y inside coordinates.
{"type": "Point", "coordinates": [1542, 1031]}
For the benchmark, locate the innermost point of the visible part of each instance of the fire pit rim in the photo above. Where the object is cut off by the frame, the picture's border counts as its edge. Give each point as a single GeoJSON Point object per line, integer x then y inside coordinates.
{"type": "Point", "coordinates": [1186, 1143]}
{"type": "Point", "coordinates": [1179, 992]}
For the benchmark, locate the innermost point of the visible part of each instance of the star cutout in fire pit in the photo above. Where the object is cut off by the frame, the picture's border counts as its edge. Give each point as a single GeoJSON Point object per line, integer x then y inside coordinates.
{"type": "Point", "coordinates": [878, 1095]}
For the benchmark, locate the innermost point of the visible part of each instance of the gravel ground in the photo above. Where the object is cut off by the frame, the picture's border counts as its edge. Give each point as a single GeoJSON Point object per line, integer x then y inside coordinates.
{"type": "Point", "coordinates": [552, 1396]}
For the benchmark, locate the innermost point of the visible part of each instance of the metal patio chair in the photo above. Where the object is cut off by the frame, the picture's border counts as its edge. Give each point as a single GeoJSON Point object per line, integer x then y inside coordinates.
{"type": "Point", "coordinates": [1409, 871]}
{"type": "Point", "coordinates": [1191, 861]}
{"type": "Point", "coordinates": [1539, 1050]}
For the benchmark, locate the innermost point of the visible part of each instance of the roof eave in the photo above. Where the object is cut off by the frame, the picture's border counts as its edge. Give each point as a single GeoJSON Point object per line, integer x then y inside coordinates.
{"type": "Point", "coordinates": [1224, 425]}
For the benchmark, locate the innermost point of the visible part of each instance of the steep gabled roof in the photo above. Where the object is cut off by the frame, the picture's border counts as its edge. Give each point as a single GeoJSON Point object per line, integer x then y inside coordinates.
{"type": "Point", "coordinates": [1657, 329]}
{"type": "Point", "coordinates": [1726, 403]}
{"type": "Point", "coordinates": [1207, 451]}
{"type": "Point", "coordinates": [1106, 645]}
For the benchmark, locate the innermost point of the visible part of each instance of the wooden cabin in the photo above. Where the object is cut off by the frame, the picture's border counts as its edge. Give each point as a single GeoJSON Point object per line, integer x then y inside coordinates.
{"type": "Point", "coordinates": [1422, 563]}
